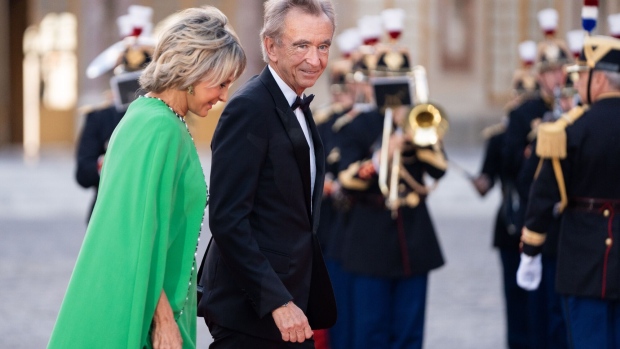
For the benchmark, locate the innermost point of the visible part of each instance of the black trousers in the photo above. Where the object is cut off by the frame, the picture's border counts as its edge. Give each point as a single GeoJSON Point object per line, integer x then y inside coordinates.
{"type": "Point", "coordinates": [224, 338]}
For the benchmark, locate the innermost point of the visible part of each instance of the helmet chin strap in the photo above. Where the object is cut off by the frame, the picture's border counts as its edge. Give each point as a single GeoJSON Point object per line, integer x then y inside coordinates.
{"type": "Point", "coordinates": [589, 85]}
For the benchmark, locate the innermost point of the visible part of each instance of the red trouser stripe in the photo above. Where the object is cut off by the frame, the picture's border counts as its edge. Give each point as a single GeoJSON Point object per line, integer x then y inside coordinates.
{"type": "Point", "coordinates": [608, 249]}
{"type": "Point", "coordinates": [403, 243]}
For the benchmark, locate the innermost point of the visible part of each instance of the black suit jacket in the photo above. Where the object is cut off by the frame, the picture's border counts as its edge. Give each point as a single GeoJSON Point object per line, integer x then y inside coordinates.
{"type": "Point", "coordinates": [93, 143]}
{"type": "Point", "coordinates": [264, 251]}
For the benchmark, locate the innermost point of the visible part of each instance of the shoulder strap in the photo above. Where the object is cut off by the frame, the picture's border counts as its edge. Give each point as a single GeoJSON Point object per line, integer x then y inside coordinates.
{"type": "Point", "coordinates": [551, 138]}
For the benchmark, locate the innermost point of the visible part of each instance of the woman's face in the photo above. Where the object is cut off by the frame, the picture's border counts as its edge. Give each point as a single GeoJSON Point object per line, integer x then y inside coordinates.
{"type": "Point", "coordinates": [205, 96]}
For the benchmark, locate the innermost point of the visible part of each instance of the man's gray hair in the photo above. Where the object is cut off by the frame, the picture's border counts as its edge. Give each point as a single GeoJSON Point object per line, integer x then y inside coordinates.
{"type": "Point", "coordinates": [614, 79]}
{"type": "Point", "coordinates": [276, 11]}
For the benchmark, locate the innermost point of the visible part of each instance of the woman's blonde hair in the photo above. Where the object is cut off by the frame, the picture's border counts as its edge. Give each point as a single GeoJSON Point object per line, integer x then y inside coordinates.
{"type": "Point", "coordinates": [198, 46]}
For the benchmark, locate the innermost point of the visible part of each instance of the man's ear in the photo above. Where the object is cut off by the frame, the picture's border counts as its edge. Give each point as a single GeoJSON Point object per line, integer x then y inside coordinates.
{"type": "Point", "coordinates": [270, 45]}
{"type": "Point", "coordinates": [599, 78]}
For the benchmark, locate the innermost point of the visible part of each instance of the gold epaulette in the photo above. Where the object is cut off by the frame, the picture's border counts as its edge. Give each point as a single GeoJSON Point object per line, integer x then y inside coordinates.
{"type": "Point", "coordinates": [552, 135]}
{"type": "Point", "coordinates": [493, 130]}
{"type": "Point", "coordinates": [324, 114]}
{"type": "Point", "coordinates": [551, 145]}
{"type": "Point", "coordinates": [344, 120]}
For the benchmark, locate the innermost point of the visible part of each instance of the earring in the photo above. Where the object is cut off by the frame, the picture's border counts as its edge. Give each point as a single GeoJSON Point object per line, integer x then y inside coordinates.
{"type": "Point", "coordinates": [190, 89]}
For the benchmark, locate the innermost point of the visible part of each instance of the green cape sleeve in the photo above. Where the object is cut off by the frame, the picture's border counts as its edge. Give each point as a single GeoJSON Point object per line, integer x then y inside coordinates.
{"type": "Point", "coordinates": [122, 265]}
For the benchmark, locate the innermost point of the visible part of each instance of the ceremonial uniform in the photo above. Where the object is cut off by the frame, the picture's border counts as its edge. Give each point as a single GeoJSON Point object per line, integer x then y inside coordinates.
{"type": "Point", "coordinates": [331, 229]}
{"type": "Point", "coordinates": [517, 139]}
{"type": "Point", "coordinates": [590, 171]}
{"type": "Point", "coordinates": [93, 144]}
{"type": "Point", "coordinates": [588, 259]}
{"type": "Point", "coordinates": [506, 240]}
{"type": "Point", "coordinates": [579, 179]}
{"type": "Point", "coordinates": [389, 257]}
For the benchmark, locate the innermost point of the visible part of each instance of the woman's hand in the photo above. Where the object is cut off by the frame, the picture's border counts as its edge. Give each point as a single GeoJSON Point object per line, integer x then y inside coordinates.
{"type": "Point", "coordinates": [165, 333]}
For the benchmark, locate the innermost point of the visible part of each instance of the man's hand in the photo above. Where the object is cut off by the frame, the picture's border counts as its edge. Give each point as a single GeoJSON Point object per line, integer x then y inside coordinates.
{"type": "Point", "coordinates": [482, 184]}
{"type": "Point", "coordinates": [292, 323]}
{"type": "Point", "coordinates": [529, 272]}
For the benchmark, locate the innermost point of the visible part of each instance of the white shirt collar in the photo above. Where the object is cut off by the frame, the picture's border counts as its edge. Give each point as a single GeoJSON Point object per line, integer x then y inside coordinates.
{"type": "Point", "coordinates": [288, 92]}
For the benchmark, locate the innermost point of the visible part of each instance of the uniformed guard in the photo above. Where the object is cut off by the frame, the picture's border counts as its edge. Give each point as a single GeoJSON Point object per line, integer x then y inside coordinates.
{"type": "Point", "coordinates": [544, 319]}
{"type": "Point", "coordinates": [390, 245]}
{"type": "Point", "coordinates": [506, 236]}
{"type": "Point", "coordinates": [129, 55]}
{"type": "Point", "coordinates": [524, 82]}
{"type": "Point", "coordinates": [579, 179]}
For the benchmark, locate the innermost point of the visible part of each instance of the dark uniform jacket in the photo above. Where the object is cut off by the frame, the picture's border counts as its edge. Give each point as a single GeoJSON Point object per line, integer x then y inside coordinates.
{"type": "Point", "coordinates": [516, 141]}
{"type": "Point", "coordinates": [374, 244]}
{"type": "Point", "coordinates": [588, 254]}
{"type": "Point", "coordinates": [93, 143]}
{"type": "Point", "coordinates": [263, 217]}
{"type": "Point", "coordinates": [331, 226]}
{"type": "Point", "coordinates": [525, 180]}
{"type": "Point", "coordinates": [505, 235]}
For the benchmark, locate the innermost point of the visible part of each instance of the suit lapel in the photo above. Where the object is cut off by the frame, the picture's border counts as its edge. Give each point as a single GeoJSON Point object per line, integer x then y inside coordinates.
{"type": "Point", "coordinates": [320, 170]}
{"type": "Point", "coordinates": [294, 132]}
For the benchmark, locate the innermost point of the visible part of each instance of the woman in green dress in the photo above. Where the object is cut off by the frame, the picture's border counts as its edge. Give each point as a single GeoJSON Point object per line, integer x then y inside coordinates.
{"type": "Point", "coordinates": [134, 282]}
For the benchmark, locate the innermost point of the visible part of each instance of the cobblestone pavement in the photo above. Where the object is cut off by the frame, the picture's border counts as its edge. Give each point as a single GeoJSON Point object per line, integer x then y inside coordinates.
{"type": "Point", "coordinates": [42, 223]}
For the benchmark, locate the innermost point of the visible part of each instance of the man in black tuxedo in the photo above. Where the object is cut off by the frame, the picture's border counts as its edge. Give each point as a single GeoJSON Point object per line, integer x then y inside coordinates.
{"type": "Point", "coordinates": [265, 281]}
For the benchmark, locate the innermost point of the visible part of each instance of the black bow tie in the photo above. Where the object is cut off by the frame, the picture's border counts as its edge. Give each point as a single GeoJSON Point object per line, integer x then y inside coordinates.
{"type": "Point", "coordinates": [303, 103]}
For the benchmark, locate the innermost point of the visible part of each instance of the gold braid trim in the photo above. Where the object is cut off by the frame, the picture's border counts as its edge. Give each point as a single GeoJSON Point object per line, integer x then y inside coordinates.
{"type": "Point", "coordinates": [348, 178]}
{"type": "Point", "coordinates": [413, 184]}
{"type": "Point", "coordinates": [433, 158]}
{"type": "Point", "coordinates": [559, 176]}
{"type": "Point", "coordinates": [603, 45]}
{"type": "Point", "coordinates": [493, 130]}
{"type": "Point", "coordinates": [532, 238]}
{"type": "Point", "coordinates": [538, 167]}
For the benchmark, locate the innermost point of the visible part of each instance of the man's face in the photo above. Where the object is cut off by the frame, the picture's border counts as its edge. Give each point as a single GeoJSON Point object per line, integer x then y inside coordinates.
{"type": "Point", "coordinates": [301, 56]}
{"type": "Point", "coordinates": [550, 79]}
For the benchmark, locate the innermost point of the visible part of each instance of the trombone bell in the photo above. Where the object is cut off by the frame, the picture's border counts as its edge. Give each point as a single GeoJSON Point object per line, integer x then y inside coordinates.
{"type": "Point", "coordinates": [426, 125]}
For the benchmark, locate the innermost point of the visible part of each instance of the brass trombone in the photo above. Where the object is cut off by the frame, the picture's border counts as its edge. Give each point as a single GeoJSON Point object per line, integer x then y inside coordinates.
{"type": "Point", "coordinates": [426, 125]}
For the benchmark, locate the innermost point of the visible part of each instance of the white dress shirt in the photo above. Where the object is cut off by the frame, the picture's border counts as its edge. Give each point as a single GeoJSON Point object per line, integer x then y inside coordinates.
{"type": "Point", "coordinates": [290, 96]}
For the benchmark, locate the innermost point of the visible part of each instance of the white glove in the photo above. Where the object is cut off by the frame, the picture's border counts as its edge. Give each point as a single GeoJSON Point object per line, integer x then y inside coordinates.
{"type": "Point", "coordinates": [529, 272]}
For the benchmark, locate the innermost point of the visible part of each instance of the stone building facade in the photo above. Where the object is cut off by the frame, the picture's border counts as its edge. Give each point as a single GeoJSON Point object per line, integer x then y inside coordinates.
{"type": "Point", "coordinates": [469, 48]}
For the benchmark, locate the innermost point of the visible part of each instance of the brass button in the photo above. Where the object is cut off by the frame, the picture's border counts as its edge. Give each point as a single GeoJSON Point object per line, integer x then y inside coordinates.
{"type": "Point", "coordinates": [608, 241]}
{"type": "Point", "coordinates": [606, 213]}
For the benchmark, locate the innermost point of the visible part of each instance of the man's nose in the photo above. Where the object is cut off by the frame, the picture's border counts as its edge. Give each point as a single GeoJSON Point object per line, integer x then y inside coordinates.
{"type": "Point", "coordinates": [313, 56]}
